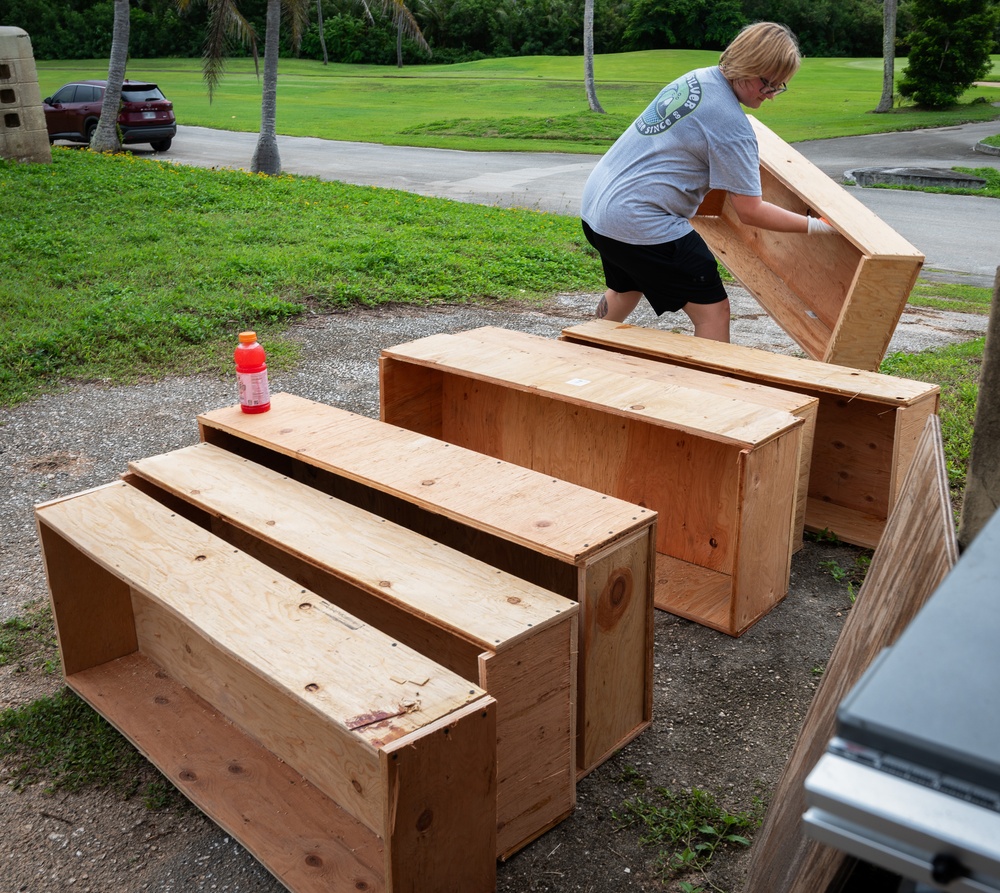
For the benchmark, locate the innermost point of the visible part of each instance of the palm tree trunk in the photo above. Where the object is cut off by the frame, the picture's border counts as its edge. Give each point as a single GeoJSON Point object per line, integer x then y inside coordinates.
{"type": "Point", "coordinates": [322, 33]}
{"type": "Point", "coordinates": [888, 56]}
{"type": "Point", "coordinates": [266, 159]}
{"type": "Point", "coordinates": [588, 56]}
{"type": "Point", "coordinates": [106, 137]}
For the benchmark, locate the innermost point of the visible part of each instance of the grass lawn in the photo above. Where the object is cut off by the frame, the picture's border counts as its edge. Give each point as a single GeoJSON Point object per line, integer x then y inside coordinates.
{"type": "Point", "coordinates": [532, 103]}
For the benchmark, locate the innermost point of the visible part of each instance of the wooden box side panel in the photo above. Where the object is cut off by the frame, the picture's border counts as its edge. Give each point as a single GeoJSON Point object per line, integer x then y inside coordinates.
{"type": "Point", "coordinates": [864, 329]}
{"type": "Point", "coordinates": [92, 608]}
{"type": "Point", "coordinates": [818, 271]}
{"type": "Point", "coordinates": [308, 842]}
{"type": "Point", "coordinates": [689, 481]}
{"type": "Point", "coordinates": [793, 313]}
{"type": "Point", "coordinates": [763, 567]}
{"type": "Point", "coordinates": [410, 396]}
{"type": "Point", "coordinates": [440, 812]}
{"type": "Point", "coordinates": [534, 683]}
{"type": "Point", "coordinates": [910, 424]}
{"type": "Point", "coordinates": [337, 764]}
{"type": "Point", "coordinates": [615, 681]}
{"type": "Point", "coordinates": [853, 455]}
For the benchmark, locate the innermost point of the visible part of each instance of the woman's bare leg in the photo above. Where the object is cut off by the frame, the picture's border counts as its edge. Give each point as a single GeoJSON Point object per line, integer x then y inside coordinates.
{"type": "Point", "coordinates": [710, 320]}
{"type": "Point", "coordinates": [615, 306]}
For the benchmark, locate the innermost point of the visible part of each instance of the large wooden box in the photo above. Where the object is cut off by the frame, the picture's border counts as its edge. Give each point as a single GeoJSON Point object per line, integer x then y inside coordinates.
{"type": "Point", "coordinates": [514, 639]}
{"type": "Point", "coordinates": [588, 547]}
{"type": "Point", "coordinates": [867, 428]}
{"type": "Point", "coordinates": [721, 473]}
{"type": "Point", "coordinates": [838, 297]}
{"type": "Point", "coordinates": [342, 759]}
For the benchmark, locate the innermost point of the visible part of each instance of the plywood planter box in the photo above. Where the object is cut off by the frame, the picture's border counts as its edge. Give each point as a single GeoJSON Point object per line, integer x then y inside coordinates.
{"type": "Point", "coordinates": [514, 639]}
{"type": "Point", "coordinates": [340, 758]}
{"type": "Point", "coordinates": [867, 427]}
{"type": "Point", "coordinates": [721, 473]}
{"type": "Point", "coordinates": [838, 297]}
{"type": "Point", "coordinates": [591, 548]}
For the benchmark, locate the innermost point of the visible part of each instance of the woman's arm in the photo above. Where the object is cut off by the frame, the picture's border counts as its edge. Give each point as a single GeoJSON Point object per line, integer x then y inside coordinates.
{"type": "Point", "coordinates": [754, 211]}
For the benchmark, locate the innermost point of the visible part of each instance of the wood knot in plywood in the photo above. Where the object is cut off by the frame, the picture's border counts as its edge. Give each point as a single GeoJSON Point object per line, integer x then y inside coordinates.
{"type": "Point", "coordinates": [615, 598]}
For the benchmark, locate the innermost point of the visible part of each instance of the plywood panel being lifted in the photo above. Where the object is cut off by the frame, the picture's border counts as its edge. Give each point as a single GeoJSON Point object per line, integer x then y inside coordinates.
{"type": "Point", "coordinates": [838, 297]}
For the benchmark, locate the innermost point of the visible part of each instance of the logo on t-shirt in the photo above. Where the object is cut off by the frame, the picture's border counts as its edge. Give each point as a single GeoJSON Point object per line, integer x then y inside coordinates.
{"type": "Point", "coordinates": [672, 103]}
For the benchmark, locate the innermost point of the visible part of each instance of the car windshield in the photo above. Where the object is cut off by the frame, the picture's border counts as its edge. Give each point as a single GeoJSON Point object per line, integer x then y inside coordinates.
{"type": "Point", "coordinates": [141, 93]}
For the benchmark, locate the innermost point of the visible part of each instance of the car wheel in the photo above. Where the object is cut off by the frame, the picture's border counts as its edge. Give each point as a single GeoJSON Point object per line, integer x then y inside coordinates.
{"type": "Point", "coordinates": [161, 145]}
{"type": "Point", "coordinates": [91, 128]}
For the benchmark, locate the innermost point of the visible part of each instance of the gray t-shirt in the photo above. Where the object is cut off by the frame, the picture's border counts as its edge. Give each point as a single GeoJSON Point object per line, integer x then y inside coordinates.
{"type": "Point", "coordinates": [692, 138]}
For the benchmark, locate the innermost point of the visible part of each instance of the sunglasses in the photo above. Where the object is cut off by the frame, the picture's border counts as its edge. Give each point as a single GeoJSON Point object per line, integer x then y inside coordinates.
{"type": "Point", "coordinates": [770, 89]}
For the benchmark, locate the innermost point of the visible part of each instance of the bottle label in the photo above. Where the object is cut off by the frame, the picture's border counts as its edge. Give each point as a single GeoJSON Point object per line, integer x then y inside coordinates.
{"type": "Point", "coordinates": [253, 388]}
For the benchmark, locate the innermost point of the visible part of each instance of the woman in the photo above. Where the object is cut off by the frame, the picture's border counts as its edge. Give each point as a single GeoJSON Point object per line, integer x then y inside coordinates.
{"type": "Point", "coordinates": [694, 137]}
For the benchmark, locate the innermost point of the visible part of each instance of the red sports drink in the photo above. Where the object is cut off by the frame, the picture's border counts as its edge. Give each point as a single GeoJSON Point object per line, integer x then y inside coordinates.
{"type": "Point", "coordinates": [251, 372]}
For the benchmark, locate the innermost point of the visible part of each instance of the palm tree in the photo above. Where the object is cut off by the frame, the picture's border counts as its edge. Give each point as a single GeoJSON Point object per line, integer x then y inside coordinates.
{"type": "Point", "coordinates": [106, 138]}
{"type": "Point", "coordinates": [266, 159]}
{"type": "Point", "coordinates": [588, 56]}
{"type": "Point", "coordinates": [322, 32]}
{"type": "Point", "coordinates": [226, 20]}
{"type": "Point", "coordinates": [888, 55]}
{"type": "Point", "coordinates": [406, 25]}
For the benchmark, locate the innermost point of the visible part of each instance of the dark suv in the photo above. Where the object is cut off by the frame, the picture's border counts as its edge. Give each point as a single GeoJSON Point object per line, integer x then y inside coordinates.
{"type": "Point", "coordinates": [146, 115]}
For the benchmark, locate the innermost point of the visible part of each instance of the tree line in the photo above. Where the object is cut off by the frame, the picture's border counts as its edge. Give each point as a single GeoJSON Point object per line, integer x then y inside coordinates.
{"type": "Point", "coordinates": [465, 30]}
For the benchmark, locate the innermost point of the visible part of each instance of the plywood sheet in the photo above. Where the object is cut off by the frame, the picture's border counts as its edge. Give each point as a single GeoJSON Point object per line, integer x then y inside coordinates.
{"type": "Point", "coordinates": [919, 548]}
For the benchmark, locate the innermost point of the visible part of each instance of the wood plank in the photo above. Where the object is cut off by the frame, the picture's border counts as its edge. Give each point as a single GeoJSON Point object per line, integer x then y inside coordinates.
{"type": "Point", "coordinates": [859, 225]}
{"type": "Point", "coordinates": [869, 318]}
{"type": "Point", "coordinates": [616, 649]}
{"type": "Point", "coordinates": [917, 552]}
{"type": "Point", "coordinates": [308, 842]}
{"type": "Point", "coordinates": [536, 732]}
{"type": "Point", "coordinates": [726, 420]}
{"type": "Point", "coordinates": [92, 608]}
{"type": "Point", "coordinates": [440, 785]}
{"type": "Point", "coordinates": [766, 508]}
{"type": "Point", "coordinates": [776, 370]}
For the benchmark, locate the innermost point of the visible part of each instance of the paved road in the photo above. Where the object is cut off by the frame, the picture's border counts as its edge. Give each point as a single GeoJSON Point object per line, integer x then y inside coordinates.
{"type": "Point", "coordinates": [958, 234]}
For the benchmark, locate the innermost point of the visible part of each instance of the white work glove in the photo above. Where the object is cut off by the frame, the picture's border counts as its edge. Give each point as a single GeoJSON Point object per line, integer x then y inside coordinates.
{"type": "Point", "coordinates": [819, 227]}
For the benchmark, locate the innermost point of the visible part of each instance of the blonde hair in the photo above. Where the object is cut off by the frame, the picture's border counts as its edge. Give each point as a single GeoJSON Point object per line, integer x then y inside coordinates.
{"type": "Point", "coordinates": [763, 49]}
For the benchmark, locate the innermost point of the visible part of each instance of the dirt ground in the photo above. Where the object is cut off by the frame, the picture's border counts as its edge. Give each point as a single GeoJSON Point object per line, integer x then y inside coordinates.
{"type": "Point", "coordinates": [726, 711]}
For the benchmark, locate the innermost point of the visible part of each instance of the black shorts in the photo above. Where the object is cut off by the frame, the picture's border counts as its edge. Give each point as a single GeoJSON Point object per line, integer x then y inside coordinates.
{"type": "Point", "coordinates": [670, 274]}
